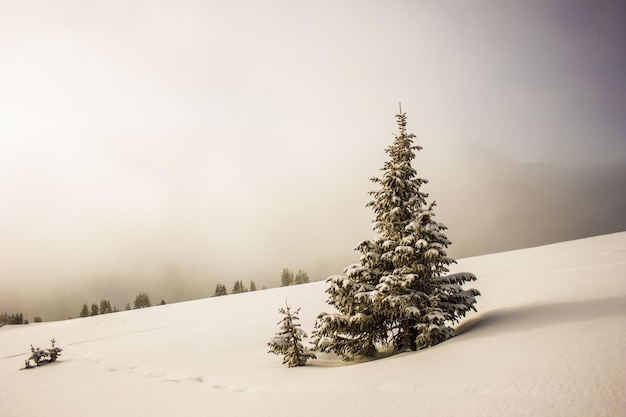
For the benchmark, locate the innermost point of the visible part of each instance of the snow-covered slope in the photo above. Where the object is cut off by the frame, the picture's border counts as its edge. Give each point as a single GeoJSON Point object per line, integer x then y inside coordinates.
{"type": "Point", "coordinates": [549, 340]}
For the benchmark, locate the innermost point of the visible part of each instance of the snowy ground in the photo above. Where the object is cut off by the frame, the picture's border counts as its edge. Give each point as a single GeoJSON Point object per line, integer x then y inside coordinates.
{"type": "Point", "coordinates": [549, 340]}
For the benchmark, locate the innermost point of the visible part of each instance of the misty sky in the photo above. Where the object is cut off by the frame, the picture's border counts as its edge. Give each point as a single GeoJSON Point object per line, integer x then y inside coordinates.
{"type": "Point", "coordinates": [165, 146]}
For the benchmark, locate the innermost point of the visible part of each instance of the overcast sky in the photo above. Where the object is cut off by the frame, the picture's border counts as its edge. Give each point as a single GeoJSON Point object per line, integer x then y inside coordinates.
{"type": "Point", "coordinates": [177, 144]}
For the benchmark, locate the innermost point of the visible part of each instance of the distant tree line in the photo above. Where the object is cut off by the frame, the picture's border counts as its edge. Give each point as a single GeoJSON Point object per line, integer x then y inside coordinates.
{"type": "Point", "coordinates": [12, 319]}
{"type": "Point", "coordinates": [238, 288]}
{"type": "Point", "coordinates": [288, 278]}
{"type": "Point", "coordinates": [103, 308]}
{"type": "Point", "coordinates": [142, 300]}
{"type": "Point", "coordinates": [16, 319]}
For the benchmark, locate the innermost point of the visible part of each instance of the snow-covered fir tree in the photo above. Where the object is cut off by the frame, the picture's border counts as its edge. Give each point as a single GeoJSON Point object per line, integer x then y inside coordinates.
{"type": "Point", "coordinates": [288, 340]}
{"type": "Point", "coordinates": [399, 292]}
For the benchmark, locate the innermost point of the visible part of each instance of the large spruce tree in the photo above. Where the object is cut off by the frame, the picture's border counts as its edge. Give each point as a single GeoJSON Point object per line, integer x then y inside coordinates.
{"type": "Point", "coordinates": [398, 293]}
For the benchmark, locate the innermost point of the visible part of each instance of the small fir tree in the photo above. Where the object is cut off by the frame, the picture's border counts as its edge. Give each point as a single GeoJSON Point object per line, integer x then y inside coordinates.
{"type": "Point", "coordinates": [94, 310]}
{"type": "Point", "coordinates": [84, 312]}
{"type": "Point", "coordinates": [142, 300]}
{"type": "Point", "coordinates": [220, 289]}
{"type": "Point", "coordinates": [399, 292]}
{"type": "Point", "coordinates": [252, 286]}
{"type": "Point", "coordinates": [301, 278]}
{"type": "Point", "coordinates": [286, 278]}
{"type": "Point", "coordinates": [288, 340]}
{"type": "Point", "coordinates": [105, 307]}
{"type": "Point", "coordinates": [238, 288]}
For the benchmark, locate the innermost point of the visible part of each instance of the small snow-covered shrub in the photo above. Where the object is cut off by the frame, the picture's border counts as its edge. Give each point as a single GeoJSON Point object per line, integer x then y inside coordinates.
{"type": "Point", "coordinates": [43, 356]}
{"type": "Point", "coordinates": [288, 340]}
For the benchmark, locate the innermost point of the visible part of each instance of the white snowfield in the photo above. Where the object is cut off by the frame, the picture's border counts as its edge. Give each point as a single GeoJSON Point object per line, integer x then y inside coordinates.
{"type": "Point", "coordinates": [549, 339]}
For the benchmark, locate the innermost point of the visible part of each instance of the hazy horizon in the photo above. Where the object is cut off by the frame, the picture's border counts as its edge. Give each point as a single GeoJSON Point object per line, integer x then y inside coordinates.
{"type": "Point", "coordinates": [169, 146]}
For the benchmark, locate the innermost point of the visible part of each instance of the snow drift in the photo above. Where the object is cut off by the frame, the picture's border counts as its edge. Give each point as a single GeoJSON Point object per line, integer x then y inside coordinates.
{"type": "Point", "coordinates": [549, 338]}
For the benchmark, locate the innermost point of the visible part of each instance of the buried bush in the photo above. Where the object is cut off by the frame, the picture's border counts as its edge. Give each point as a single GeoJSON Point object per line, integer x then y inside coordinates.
{"type": "Point", "coordinates": [40, 357]}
